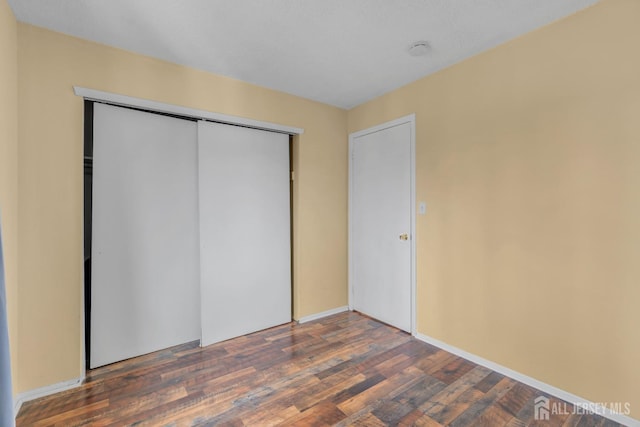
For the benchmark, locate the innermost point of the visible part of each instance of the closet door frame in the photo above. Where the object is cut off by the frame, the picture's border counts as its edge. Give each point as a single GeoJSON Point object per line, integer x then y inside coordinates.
{"type": "Point", "coordinates": [89, 97]}
{"type": "Point", "coordinates": [406, 120]}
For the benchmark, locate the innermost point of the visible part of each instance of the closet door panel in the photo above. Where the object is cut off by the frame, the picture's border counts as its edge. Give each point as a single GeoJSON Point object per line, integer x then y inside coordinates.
{"type": "Point", "coordinates": [145, 273]}
{"type": "Point", "coordinates": [245, 253]}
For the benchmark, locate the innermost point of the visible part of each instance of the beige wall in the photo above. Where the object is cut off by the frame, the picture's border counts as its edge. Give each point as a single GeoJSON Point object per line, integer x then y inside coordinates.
{"type": "Point", "coordinates": [50, 177]}
{"type": "Point", "coordinates": [9, 169]}
{"type": "Point", "coordinates": [527, 157]}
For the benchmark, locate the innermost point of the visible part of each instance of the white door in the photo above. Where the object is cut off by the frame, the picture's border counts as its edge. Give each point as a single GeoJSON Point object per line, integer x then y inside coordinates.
{"type": "Point", "coordinates": [380, 224]}
{"type": "Point", "coordinates": [245, 253]}
{"type": "Point", "coordinates": [144, 276]}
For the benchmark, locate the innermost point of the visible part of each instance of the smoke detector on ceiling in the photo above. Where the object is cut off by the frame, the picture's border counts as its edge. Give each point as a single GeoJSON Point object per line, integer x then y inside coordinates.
{"type": "Point", "coordinates": [419, 48]}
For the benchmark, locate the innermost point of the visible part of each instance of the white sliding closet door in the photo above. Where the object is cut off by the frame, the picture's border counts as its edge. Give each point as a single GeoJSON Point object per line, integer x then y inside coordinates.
{"type": "Point", "coordinates": [145, 284]}
{"type": "Point", "coordinates": [245, 255]}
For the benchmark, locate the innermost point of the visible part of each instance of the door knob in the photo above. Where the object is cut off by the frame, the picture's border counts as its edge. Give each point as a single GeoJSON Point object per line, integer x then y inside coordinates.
{"type": "Point", "coordinates": [404, 236]}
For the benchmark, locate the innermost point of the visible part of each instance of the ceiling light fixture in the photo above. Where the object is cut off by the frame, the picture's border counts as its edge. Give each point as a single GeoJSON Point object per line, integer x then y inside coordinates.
{"type": "Point", "coordinates": [419, 48]}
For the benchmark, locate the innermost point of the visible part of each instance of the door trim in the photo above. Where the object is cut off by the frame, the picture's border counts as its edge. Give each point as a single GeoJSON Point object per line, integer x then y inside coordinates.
{"type": "Point", "coordinates": [161, 107]}
{"type": "Point", "coordinates": [411, 120]}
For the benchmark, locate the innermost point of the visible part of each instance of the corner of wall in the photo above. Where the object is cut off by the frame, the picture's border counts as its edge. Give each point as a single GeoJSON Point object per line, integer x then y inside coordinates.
{"type": "Point", "coordinates": [9, 171]}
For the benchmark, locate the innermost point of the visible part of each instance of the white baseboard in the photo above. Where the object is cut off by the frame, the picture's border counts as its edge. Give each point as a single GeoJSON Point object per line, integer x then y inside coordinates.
{"type": "Point", "coordinates": [317, 316]}
{"type": "Point", "coordinates": [44, 391]}
{"type": "Point", "coordinates": [544, 387]}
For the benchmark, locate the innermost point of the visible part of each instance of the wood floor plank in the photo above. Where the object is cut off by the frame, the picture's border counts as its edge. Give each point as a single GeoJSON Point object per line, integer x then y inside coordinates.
{"type": "Point", "coordinates": [434, 362]}
{"type": "Point", "coordinates": [450, 393]}
{"type": "Point", "coordinates": [489, 382]}
{"type": "Point", "coordinates": [326, 389]}
{"type": "Point", "coordinates": [516, 398]}
{"type": "Point", "coordinates": [64, 416]}
{"type": "Point", "coordinates": [572, 420]}
{"type": "Point", "coordinates": [342, 370]}
{"type": "Point", "coordinates": [322, 414]}
{"type": "Point", "coordinates": [421, 392]}
{"type": "Point", "coordinates": [356, 389]}
{"type": "Point", "coordinates": [453, 370]}
{"type": "Point", "coordinates": [419, 418]}
{"type": "Point", "coordinates": [476, 410]}
{"type": "Point", "coordinates": [370, 420]}
{"type": "Point", "coordinates": [495, 416]}
{"type": "Point", "coordinates": [451, 411]}
{"type": "Point", "coordinates": [273, 416]}
{"type": "Point", "coordinates": [391, 412]}
{"type": "Point", "coordinates": [388, 388]}
{"type": "Point", "coordinates": [368, 402]}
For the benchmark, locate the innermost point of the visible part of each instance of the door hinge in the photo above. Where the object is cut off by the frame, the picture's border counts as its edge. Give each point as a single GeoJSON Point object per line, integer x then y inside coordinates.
{"type": "Point", "coordinates": [292, 175]}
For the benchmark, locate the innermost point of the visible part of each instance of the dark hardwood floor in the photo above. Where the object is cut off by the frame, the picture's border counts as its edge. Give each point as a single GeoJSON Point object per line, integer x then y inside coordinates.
{"type": "Point", "coordinates": [342, 370]}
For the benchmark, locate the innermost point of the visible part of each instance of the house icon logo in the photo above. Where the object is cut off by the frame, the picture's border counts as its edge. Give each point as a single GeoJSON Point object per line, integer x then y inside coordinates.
{"type": "Point", "coordinates": [541, 408]}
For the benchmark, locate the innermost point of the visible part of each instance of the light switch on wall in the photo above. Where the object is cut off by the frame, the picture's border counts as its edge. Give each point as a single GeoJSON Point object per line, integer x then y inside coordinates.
{"type": "Point", "coordinates": [422, 208]}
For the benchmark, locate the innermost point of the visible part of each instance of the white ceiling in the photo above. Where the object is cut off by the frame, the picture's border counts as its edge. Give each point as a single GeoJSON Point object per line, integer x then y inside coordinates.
{"type": "Point", "coordinates": [340, 52]}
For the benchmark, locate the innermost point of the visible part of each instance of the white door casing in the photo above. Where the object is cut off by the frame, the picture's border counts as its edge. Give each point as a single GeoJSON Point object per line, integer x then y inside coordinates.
{"type": "Point", "coordinates": [381, 211]}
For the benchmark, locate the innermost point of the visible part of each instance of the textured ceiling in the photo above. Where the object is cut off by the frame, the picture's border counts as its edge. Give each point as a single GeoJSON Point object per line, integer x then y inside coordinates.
{"type": "Point", "coordinates": [340, 52]}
